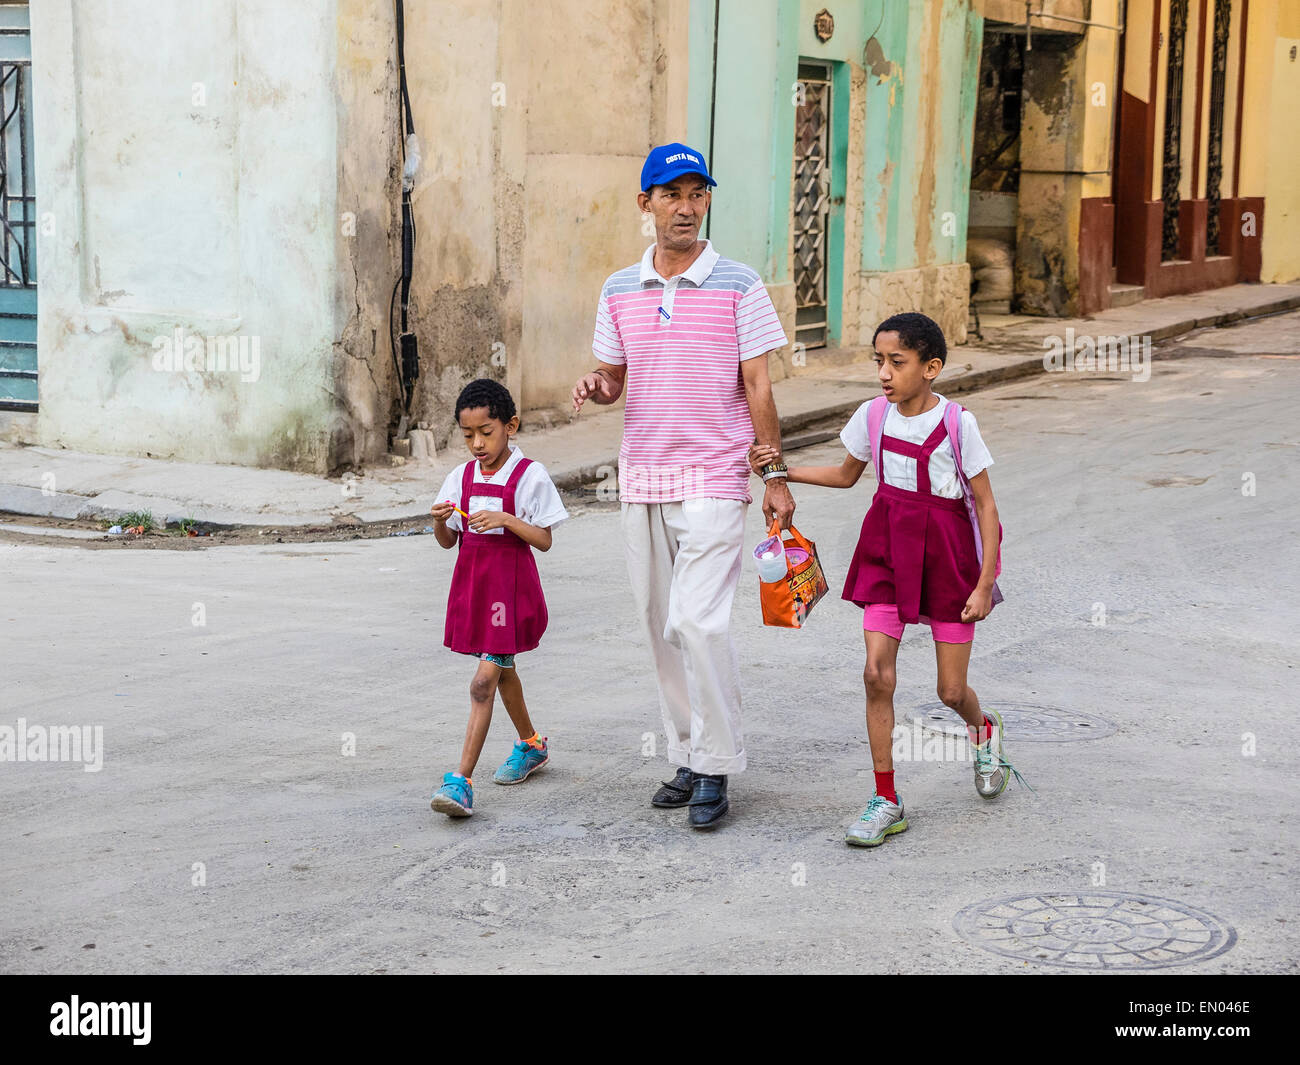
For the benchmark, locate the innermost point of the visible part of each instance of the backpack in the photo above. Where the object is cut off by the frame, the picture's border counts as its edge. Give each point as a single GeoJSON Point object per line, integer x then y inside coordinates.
{"type": "Point", "coordinates": [876, 411]}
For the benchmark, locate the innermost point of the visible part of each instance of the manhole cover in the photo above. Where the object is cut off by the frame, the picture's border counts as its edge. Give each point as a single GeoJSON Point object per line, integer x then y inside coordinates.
{"type": "Point", "coordinates": [1102, 930]}
{"type": "Point", "coordinates": [1023, 721]}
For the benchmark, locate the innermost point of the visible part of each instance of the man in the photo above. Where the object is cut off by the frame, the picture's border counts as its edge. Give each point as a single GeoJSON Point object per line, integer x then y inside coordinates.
{"type": "Point", "coordinates": [689, 332]}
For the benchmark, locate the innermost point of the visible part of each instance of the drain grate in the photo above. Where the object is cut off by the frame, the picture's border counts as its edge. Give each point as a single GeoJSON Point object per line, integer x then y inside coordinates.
{"type": "Point", "coordinates": [1100, 930]}
{"type": "Point", "coordinates": [1023, 721]}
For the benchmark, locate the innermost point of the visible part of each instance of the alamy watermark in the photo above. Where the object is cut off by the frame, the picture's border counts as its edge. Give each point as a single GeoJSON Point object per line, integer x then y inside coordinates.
{"type": "Point", "coordinates": [75, 1017]}
{"type": "Point", "coordinates": [916, 744]}
{"type": "Point", "coordinates": [1114, 354]}
{"type": "Point", "coordinates": [53, 743]}
{"type": "Point", "coordinates": [180, 353]}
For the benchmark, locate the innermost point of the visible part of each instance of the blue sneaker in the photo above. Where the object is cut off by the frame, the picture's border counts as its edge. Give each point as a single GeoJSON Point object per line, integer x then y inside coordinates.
{"type": "Point", "coordinates": [524, 760]}
{"type": "Point", "coordinates": [455, 798]}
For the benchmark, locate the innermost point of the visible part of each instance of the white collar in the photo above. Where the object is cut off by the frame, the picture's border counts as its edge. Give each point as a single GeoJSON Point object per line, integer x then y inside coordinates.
{"type": "Point", "coordinates": [507, 467]}
{"type": "Point", "coordinates": [697, 273]}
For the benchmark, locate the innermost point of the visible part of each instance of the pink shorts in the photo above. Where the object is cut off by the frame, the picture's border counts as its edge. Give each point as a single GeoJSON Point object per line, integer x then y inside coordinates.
{"type": "Point", "coordinates": [883, 617]}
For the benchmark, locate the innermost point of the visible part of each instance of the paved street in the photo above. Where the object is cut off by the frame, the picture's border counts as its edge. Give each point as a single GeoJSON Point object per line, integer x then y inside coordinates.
{"type": "Point", "coordinates": [1150, 625]}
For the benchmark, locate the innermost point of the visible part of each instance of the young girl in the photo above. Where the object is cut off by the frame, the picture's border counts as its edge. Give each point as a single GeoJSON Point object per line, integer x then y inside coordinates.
{"type": "Point", "coordinates": [498, 507]}
{"type": "Point", "coordinates": [928, 550]}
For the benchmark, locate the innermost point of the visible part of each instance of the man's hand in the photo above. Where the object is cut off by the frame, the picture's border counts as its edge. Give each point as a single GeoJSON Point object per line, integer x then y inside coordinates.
{"type": "Point", "coordinates": [779, 503]}
{"type": "Point", "coordinates": [603, 386]}
{"type": "Point", "coordinates": [979, 605]}
{"type": "Point", "coordinates": [588, 386]}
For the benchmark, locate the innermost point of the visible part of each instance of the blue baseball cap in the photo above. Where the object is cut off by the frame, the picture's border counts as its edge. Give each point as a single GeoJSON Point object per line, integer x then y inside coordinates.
{"type": "Point", "coordinates": [670, 161]}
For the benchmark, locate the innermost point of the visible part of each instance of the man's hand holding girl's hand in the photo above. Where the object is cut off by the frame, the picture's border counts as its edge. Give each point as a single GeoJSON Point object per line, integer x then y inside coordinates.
{"type": "Point", "coordinates": [761, 455]}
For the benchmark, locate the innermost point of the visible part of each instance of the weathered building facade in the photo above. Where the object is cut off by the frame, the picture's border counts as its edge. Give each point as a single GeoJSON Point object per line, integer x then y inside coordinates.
{"type": "Point", "coordinates": [224, 177]}
{"type": "Point", "coordinates": [1130, 149]}
{"type": "Point", "coordinates": [840, 139]}
{"type": "Point", "coordinates": [204, 249]}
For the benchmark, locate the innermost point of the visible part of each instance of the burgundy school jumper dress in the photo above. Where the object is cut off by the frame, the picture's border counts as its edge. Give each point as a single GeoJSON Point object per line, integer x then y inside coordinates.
{"type": "Point", "coordinates": [495, 605]}
{"type": "Point", "coordinates": [915, 549]}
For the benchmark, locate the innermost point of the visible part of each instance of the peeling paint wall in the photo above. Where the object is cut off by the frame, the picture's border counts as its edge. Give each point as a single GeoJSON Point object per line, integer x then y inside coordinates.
{"type": "Point", "coordinates": [1053, 116]}
{"type": "Point", "coordinates": [269, 209]}
{"type": "Point", "coordinates": [535, 120]}
{"type": "Point", "coordinates": [192, 186]}
{"type": "Point", "coordinates": [920, 109]}
{"type": "Point", "coordinates": [367, 234]}
{"type": "Point", "coordinates": [1070, 94]}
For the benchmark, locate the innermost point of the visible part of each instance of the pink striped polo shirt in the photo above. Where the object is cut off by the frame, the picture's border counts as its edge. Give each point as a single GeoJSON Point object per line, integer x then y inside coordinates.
{"type": "Point", "coordinates": [686, 426]}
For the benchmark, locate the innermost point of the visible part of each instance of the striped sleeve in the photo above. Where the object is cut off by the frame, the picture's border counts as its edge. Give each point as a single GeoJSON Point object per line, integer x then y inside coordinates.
{"type": "Point", "coordinates": [758, 330]}
{"type": "Point", "coordinates": [607, 345]}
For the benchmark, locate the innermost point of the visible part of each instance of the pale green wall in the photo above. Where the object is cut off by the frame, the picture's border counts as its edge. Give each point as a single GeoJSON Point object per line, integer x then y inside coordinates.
{"type": "Point", "coordinates": [755, 58]}
{"type": "Point", "coordinates": [701, 74]}
{"type": "Point", "coordinates": [918, 122]}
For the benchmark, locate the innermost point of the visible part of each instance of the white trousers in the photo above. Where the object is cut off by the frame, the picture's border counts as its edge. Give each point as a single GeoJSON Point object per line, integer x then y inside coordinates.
{"type": "Point", "coordinates": [684, 561]}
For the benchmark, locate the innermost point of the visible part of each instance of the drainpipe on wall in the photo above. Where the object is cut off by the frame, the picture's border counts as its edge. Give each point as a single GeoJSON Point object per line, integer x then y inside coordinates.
{"type": "Point", "coordinates": [713, 106]}
{"type": "Point", "coordinates": [1029, 29]}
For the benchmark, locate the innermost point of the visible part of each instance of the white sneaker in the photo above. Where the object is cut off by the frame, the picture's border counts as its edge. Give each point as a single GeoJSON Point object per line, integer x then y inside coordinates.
{"type": "Point", "coordinates": [881, 818]}
{"type": "Point", "coordinates": [990, 762]}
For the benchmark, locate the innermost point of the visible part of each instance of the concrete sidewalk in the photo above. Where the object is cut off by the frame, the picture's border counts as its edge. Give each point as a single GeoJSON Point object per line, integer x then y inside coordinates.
{"type": "Point", "coordinates": [70, 484]}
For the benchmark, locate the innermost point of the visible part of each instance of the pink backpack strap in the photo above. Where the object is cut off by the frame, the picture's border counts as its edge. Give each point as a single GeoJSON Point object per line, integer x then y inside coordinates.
{"type": "Point", "coordinates": [952, 422]}
{"type": "Point", "coordinates": [876, 411]}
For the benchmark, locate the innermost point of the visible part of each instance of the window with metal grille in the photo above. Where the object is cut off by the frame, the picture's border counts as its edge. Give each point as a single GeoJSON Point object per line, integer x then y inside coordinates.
{"type": "Point", "coordinates": [1173, 159]}
{"type": "Point", "coordinates": [17, 214]}
{"type": "Point", "coordinates": [1218, 81]}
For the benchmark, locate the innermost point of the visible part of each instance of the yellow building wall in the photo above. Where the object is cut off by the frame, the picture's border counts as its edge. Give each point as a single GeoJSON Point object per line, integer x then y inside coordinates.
{"type": "Point", "coordinates": [1256, 125]}
{"type": "Point", "coordinates": [1281, 249]}
{"type": "Point", "coordinates": [1101, 63]}
{"type": "Point", "coordinates": [1191, 69]}
{"type": "Point", "coordinates": [1137, 68]}
{"type": "Point", "coordinates": [1270, 148]}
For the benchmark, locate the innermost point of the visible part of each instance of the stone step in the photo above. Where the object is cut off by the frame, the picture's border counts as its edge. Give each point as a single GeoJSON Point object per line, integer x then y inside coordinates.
{"type": "Point", "coordinates": [1126, 295]}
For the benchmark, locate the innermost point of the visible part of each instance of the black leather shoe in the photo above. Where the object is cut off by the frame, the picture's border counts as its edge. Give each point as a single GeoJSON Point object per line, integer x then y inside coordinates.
{"type": "Point", "coordinates": [708, 801]}
{"type": "Point", "coordinates": [676, 792]}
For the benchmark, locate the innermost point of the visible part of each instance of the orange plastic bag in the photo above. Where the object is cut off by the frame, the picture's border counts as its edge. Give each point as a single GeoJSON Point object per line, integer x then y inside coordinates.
{"type": "Point", "coordinates": [788, 602]}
